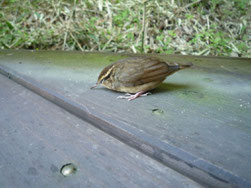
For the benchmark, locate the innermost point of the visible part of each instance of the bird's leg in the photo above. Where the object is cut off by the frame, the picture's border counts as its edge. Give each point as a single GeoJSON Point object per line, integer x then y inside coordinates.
{"type": "Point", "coordinates": [132, 97]}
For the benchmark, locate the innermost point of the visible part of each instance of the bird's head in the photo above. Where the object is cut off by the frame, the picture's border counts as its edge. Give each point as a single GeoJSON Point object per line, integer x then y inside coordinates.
{"type": "Point", "coordinates": [105, 77]}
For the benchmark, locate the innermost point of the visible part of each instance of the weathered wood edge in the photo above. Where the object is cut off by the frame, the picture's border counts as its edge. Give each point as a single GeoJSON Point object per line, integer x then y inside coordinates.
{"type": "Point", "coordinates": [132, 54]}
{"type": "Point", "coordinates": [183, 162]}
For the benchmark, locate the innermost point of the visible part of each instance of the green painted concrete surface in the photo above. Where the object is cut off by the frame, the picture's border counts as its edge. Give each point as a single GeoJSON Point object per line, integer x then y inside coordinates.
{"type": "Point", "coordinates": [205, 110]}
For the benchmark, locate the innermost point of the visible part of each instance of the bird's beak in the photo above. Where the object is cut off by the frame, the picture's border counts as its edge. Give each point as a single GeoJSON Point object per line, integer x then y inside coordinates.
{"type": "Point", "coordinates": [187, 65]}
{"type": "Point", "coordinates": [94, 86]}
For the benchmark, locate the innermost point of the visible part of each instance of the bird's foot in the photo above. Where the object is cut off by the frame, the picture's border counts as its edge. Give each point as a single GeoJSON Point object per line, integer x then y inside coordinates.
{"type": "Point", "coordinates": [133, 96]}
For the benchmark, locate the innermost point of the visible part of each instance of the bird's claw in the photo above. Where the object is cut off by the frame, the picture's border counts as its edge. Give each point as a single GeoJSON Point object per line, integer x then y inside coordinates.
{"type": "Point", "coordinates": [133, 96]}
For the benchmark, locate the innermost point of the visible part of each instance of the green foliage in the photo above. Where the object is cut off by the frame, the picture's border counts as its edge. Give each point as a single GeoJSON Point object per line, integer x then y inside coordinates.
{"type": "Point", "coordinates": [172, 33]}
{"type": "Point", "coordinates": [216, 27]}
{"type": "Point", "coordinates": [121, 17]}
{"type": "Point", "coordinates": [241, 4]}
{"type": "Point", "coordinates": [242, 47]}
{"type": "Point", "coordinates": [215, 40]}
{"type": "Point", "coordinates": [189, 16]}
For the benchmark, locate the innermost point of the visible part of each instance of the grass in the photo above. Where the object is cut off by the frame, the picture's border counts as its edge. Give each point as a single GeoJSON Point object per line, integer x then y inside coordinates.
{"type": "Point", "coordinates": [196, 27]}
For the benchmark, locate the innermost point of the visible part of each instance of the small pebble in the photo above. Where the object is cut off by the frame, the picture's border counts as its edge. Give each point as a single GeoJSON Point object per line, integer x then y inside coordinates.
{"type": "Point", "coordinates": [157, 111]}
{"type": "Point", "coordinates": [68, 169]}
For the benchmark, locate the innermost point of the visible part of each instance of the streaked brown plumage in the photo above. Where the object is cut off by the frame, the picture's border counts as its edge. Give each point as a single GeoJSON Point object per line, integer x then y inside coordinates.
{"type": "Point", "coordinates": [137, 74]}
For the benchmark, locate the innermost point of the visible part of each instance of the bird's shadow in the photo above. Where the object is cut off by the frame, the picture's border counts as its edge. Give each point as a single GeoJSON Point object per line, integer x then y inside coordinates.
{"type": "Point", "coordinates": [163, 87]}
{"type": "Point", "coordinates": [171, 87]}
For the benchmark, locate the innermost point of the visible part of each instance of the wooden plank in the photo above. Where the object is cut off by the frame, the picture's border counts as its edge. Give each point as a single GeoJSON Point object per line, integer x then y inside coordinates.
{"type": "Point", "coordinates": [194, 109]}
{"type": "Point", "coordinates": [38, 138]}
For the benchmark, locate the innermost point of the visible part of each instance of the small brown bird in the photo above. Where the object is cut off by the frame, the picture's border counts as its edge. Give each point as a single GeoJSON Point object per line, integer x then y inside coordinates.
{"type": "Point", "coordinates": [137, 75]}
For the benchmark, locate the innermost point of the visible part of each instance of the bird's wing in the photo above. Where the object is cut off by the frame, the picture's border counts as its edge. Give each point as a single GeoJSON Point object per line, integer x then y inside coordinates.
{"type": "Point", "coordinates": [142, 70]}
